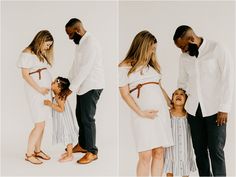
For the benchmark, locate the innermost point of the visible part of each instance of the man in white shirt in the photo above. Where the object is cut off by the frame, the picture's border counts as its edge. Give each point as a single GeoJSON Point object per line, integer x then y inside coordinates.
{"type": "Point", "coordinates": [206, 73]}
{"type": "Point", "coordinates": [87, 80]}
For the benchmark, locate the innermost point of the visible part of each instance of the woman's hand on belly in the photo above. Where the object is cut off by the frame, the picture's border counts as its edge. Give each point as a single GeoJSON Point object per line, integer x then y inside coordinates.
{"type": "Point", "coordinates": [150, 114]}
{"type": "Point", "coordinates": [44, 90]}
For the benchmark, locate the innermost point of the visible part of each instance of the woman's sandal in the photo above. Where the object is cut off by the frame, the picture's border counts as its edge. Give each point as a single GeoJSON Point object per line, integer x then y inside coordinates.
{"type": "Point", "coordinates": [42, 155]}
{"type": "Point", "coordinates": [32, 156]}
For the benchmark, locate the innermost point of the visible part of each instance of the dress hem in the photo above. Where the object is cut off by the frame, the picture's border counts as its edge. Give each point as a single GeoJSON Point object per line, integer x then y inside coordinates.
{"type": "Point", "coordinates": [153, 147]}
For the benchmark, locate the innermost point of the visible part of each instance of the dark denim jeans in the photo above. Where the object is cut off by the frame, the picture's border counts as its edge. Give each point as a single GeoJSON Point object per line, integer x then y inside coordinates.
{"type": "Point", "coordinates": [85, 112]}
{"type": "Point", "coordinates": [208, 138]}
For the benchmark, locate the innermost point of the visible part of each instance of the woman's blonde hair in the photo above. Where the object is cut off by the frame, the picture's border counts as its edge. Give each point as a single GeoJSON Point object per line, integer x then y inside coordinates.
{"type": "Point", "coordinates": [138, 52]}
{"type": "Point", "coordinates": [37, 43]}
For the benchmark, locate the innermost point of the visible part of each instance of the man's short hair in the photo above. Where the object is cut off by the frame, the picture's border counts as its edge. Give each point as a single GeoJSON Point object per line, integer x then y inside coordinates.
{"type": "Point", "coordinates": [72, 22]}
{"type": "Point", "coordinates": [180, 32]}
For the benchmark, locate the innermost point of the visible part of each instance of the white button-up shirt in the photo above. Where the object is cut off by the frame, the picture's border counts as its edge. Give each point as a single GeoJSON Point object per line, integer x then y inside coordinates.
{"type": "Point", "coordinates": [87, 71]}
{"type": "Point", "coordinates": [208, 79]}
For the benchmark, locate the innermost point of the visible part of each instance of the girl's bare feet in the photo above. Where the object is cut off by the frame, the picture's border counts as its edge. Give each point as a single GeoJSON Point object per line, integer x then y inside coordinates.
{"type": "Point", "coordinates": [63, 155]}
{"type": "Point", "coordinates": [66, 158]}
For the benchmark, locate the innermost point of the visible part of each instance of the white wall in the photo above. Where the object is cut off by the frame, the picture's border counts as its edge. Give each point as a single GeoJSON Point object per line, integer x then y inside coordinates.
{"type": "Point", "coordinates": [212, 20]}
{"type": "Point", "coordinates": [20, 21]}
{"type": "Point", "coordinates": [19, 24]}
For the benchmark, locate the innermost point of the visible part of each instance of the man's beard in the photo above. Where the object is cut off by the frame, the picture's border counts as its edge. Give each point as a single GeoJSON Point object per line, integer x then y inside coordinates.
{"type": "Point", "coordinates": [193, 50]}
{"type": "Point", "coordinates": [76, 38]}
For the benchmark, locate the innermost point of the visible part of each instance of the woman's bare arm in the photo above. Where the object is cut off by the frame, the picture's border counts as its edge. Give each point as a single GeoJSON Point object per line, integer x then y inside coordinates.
{"type": "Point", "coordinates": [167, 98]}
{"type": "Point", "coordinates": [124, 91]}
{"type": "Point", "coordinates": [32, 83]}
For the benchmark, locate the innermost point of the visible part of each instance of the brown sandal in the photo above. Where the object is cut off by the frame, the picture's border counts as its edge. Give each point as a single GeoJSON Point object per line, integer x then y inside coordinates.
{"type": "Point", "coordinates": [32, 155]}
{"type": "Point", "coordinates": [44, 156]}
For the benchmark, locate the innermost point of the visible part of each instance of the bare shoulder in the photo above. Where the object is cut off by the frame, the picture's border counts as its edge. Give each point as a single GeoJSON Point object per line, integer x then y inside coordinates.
{"type": "Point", "coordinates": [27, 50]}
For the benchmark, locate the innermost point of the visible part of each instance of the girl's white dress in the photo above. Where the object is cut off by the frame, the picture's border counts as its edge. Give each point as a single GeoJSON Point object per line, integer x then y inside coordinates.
{"type": "Point", "coordinates": [65, 127]}
{"type": "Point", "coordinates": [179, 159]}
{"type": "Point", "coordinates": [148, 133]}
{"type": "Point", "coordinates": [39, 112]}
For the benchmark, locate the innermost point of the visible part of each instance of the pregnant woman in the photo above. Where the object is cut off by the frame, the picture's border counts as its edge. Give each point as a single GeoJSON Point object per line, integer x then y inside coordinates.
{"type": "Point", "coordinates": [34, 62]}
{"type": "Point", "coordinates": [140, 88]}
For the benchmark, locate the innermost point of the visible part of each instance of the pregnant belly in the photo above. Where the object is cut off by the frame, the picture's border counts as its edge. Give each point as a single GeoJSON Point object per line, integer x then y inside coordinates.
{"type": "Point", "coordinates": [45, 80]}
{"type": "Point", "coordinates": [151, 97]}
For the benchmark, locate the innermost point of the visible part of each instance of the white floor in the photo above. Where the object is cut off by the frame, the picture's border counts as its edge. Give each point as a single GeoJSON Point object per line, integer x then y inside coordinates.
{"type": "Point", "coordinates": [14, 135]}
{"type": "Point", "coordinates": [13, 164]}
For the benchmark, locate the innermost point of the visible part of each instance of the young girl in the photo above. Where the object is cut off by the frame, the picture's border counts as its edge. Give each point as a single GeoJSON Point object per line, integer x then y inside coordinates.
{"type": "Point", "coordinates": [65, 128]}
{"type": "Point", "coordinates": [179, 159]}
